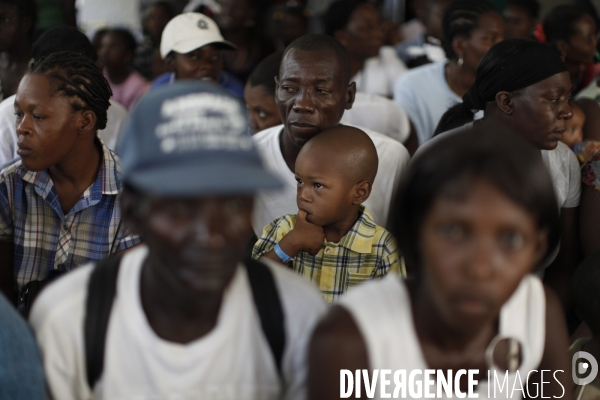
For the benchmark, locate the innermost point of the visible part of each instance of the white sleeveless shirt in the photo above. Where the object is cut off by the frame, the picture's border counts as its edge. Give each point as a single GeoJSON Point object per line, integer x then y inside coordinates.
{"type": "Point", "coordinates": [382, 312]}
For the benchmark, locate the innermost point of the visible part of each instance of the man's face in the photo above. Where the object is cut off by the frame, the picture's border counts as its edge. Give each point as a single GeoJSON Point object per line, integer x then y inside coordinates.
{"type": "Point", "coordinates": [311, 94]}
{"type": "Point", "coordinates": [205, 62]}
{"type": "Point", "coordinates": [197, 241]}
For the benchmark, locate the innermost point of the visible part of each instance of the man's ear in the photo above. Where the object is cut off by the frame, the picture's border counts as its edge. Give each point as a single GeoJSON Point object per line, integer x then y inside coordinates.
{"type": "Point", "coordinates": [170, 62]}
{"type": "Point", "coordinates": [562, 47]}
{"type": "Point", "coordinates": [87, 121]}
{"type": "Point", "coordinates": [350, 95]}
{"type": "Point", "coordinates": [505, 102]}
{"type": "Point", "coordinates": [362, 191]}
{"type": "Point", "coordinates": [132, 210]}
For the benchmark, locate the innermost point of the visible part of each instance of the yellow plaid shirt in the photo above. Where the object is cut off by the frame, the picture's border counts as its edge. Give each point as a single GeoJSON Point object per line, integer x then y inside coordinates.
{"type": "Point", "coordinates": [367, 251]}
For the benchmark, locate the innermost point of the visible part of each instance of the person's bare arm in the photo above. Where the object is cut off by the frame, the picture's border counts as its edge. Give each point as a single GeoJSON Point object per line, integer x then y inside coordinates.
{"type": "Point", "coordinates": [589, 220]}
{"type": "Point", "coordinates": [6, 271]}
{"type": "Point", "coordinates": [559, 274]}
{"type": "Point", "coordinates": [556, 356]}
{"type": "Point", "coordinates": [336, 344]}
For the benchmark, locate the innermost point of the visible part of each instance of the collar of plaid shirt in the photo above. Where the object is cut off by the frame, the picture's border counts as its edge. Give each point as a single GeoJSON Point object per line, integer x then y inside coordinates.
{"type": "Point", "coordinates": [360, 237]}
{"type": "Point", "coordinates": [108, 182]}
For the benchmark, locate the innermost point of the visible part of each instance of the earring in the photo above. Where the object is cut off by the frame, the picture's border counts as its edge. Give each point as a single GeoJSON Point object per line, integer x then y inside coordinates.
{"type": "Point", "coordinates": [460, 61]}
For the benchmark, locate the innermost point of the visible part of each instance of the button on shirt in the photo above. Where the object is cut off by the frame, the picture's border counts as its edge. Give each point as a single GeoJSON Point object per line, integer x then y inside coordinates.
{"type": "Point", "coordinates": [44, 238]}
{"type": "Point", "coordinates": [367, 251]}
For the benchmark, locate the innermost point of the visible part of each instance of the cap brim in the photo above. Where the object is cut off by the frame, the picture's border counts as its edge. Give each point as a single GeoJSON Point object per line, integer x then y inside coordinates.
{"type": "Point", "coordinates": [192, 44]}
{"type": "Point", "coordinates": [196, 180]}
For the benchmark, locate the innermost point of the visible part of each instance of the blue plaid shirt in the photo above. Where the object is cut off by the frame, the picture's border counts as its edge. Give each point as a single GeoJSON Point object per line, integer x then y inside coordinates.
{"type": "Point", "coordinates": [44, 237]}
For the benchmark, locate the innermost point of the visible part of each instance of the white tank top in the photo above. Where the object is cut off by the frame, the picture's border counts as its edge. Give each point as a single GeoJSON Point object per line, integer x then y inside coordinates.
{"type": "Point", "coordinates": [382, 312]}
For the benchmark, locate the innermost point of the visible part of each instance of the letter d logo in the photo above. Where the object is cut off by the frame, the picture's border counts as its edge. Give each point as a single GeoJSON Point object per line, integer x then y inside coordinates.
{"type": "Point", "coordinates": [581, 368]}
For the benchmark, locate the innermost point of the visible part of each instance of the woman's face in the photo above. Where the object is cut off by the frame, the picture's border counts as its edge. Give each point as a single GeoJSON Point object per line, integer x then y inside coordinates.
{"type": "Point", "coordinates": [582, 45]}
{"type": "Point", "coordinates": [234, 14]}
{"type": "Point", "coordinates": [475, 248]}
{"type": "Point", "coordinates": [540, 111]}
{"type": "Point", "coordinates": [363, 35]}
{"type": "Point", "coordinates": [262, 109]}
{"type": "Point", "coordinates": [489, 31]}
{"type": "Point", "coordinates": [46, 124]}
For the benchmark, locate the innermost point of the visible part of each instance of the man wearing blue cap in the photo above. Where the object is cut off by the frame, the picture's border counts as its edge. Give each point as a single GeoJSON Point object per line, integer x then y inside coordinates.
{"type": "Point", "coordinates": [181, 316]}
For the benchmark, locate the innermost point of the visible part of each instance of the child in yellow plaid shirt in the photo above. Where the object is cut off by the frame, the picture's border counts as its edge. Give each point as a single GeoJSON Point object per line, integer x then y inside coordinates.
{"type": "Point", "coordinates": [333, 239]}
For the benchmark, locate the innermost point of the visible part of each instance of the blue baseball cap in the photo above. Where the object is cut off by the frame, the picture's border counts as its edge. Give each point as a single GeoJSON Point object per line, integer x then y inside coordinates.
{"type": "Point", "coordinates": [191, 138]}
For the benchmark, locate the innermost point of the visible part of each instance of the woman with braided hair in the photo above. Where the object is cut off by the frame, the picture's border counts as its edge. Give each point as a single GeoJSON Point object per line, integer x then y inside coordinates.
{"type": "Point", "coordinates": [58, 205]}
{"type": "Point", "coordinates": [471, 28]}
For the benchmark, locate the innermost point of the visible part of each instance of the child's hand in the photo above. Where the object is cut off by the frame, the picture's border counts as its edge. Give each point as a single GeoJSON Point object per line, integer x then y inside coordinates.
{"type": "Point", "coordinates": [304, 237]}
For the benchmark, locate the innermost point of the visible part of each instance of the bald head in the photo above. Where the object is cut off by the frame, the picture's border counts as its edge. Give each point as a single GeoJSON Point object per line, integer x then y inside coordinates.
{"type": "Point", "coordinates": [345, 149]}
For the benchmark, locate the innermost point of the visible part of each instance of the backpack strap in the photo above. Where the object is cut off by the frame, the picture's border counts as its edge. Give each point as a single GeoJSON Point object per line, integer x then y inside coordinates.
{"type": "Point", "coordinates": [102, 288]}
{"type": "Point", "coordinates": [268, 305]}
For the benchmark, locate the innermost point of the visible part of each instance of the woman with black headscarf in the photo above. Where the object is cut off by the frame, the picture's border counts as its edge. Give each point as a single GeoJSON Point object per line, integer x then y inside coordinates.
{"type": "Point", "coordinates": [524, 85]}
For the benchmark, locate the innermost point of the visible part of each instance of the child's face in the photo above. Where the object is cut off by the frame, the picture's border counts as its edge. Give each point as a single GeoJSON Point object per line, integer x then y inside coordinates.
{"type": "Point", "coordinates": [113, 51]}
{"type": "Point", "coordinates": [324, 190]}
{"type": "Point", "coordinates": [574, 128]}
{"type": "Point", "coordinates": [205, 62]}
{"type": "Point", "coordinates": [475, 249]}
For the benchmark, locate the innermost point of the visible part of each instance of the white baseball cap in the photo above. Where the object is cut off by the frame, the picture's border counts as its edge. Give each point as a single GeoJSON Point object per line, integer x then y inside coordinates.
{"type": "Point", "coordinates": [190, 31]}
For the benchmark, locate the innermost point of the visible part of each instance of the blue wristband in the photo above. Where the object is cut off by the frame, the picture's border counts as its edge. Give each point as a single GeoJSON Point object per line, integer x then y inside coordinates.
{"type": "Point", "coordinates": [281, 254]}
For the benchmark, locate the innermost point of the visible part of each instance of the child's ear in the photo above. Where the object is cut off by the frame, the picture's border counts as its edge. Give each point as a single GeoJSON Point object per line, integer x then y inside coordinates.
{"type": "Point", "coordinates": [362, 191]}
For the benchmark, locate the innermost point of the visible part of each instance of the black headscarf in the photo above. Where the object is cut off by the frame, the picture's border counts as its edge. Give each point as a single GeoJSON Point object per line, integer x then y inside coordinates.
{"type": "Point", "coordinates": [510, 65]}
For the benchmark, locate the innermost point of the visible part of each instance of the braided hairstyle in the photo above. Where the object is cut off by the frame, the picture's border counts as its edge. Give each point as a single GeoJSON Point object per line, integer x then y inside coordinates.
{"type": "Point", "coordinates": [80, 80]}
{"type": "Point", "coordinates": [460, 19]}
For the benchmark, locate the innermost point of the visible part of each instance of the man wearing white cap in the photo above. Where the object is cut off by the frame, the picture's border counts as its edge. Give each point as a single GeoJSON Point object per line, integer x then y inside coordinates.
{"type": "Point", "coordinates": [191, 46]}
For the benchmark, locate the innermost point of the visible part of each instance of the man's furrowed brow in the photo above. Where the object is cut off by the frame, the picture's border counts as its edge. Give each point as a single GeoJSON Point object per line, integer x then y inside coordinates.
{"type": "Point", "coordinates": [313, 80]}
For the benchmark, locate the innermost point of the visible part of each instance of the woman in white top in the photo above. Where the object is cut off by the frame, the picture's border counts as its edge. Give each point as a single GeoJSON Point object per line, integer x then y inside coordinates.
{"type": "Point", "coordinates": [357, 25]}
{"type": "Point", "coordinates": [472, 223]}
{"type": "Point", "coordinates": [471, 28]}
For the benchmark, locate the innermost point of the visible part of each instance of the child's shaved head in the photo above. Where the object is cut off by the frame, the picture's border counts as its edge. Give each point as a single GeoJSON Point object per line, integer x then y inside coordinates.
{"type": "Point", "coordinates": [345, 149]}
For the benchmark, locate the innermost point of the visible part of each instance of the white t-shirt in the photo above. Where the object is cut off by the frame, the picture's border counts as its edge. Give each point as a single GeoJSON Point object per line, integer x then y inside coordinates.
{"type": "Point", "coordinates": [233, 361]}
{"type": "Point", "coordinates": [380, 73]}
{"type": "Point", "coordinates": [393, 159]}
{"type": "Point", "coordinates": [560, 162]}
{"type": "Point", "coordinates": [382, 312]}
{"type": "Point", "coordinates": [116, 117]}
{"type": "Point", "coordinates": [425, 96]}
{"type": "Point", "coordinates": [379, 114]}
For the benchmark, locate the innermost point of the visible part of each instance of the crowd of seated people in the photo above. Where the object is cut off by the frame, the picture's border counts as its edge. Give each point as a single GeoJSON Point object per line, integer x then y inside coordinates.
{"type": "Point", "coordinates": [260, 200]}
